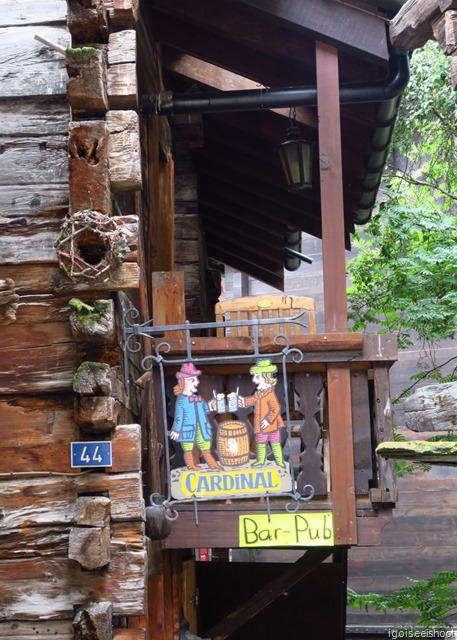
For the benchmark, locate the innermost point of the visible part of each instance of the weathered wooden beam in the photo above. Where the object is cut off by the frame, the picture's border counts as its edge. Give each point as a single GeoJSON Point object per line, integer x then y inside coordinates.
{"type": "Point", "coordinates": [95, 323]}
{"type": "Point", "coordinates": [454, 72]}
{"type": "Point", "coordinates": [21, 630]}
{"type": "Point", "coordinates": [122, 83]}
{"type": "Point", "coordinates": [87, 83]}
{"type": "Point", "coordinates": [27, 592]}
{"type": "Point", "coordinates": [445, 31]}
{"type": "Point", "coordinates": [31, 12]}
{"type": "Point", "coordinates": [123, 13]}
{"type": "Point", "coordinates": [97, 414]}
{"type": "Point", "coordinates": [33, 447]}
{"type": "Point", "coordinates": [60, 630]}
{"type": "Point", "coordinates": [30, 68]}
{"type": "Point", "coordinates": [8, 301]}
{"type": "Point", "coordinates": [53, 500]}
{"type": "Point", "coordinates": [89, 546]}
{"type": "Point", "coordinates": [89, 174]}
{"type": "Point", "coordinates": [87, 21]}
{"type": "Point", "coordinates": [94, 621]}
{"type": "Point", "coordinates": [124, 150]}
{"type": "Point", "coordinates": [411, 27]}
{"type": "Point", "coordinates": [43, 278]}
{"type": "Point", "coordinates": [420, 451]}
{"type": "Point", "coordinates": [41, 234]}
{"type": "Point", "coordinates": [33, 161]}
{"type": "Point", "coordinates": [40, 369]}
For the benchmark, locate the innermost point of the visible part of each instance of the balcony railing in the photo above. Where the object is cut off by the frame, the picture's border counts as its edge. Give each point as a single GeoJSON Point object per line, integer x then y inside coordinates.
{"type": "Point", "coordinates": [229, 462]}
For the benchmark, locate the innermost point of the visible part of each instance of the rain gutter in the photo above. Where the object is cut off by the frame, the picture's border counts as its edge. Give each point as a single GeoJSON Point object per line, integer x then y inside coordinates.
{"type": "Point", "coordinates": [387, 92]}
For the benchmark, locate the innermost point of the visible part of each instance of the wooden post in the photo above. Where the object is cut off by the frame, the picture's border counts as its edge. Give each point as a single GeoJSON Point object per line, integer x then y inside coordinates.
{"type": "Point", "coordinates": [335, 300]}
{"type": "Point", "coordinates": [168, 307]}
{"type": "Point", "coordinates": [168, 304]}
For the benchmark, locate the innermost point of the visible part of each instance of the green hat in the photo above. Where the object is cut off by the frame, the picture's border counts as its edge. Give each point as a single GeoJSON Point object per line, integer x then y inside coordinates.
{"type": "Point", "coordinates": [263, 366]}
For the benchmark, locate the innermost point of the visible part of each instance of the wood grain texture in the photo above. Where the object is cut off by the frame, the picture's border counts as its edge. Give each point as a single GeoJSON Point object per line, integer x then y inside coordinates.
{"type": "Point", "coordinates": [52, 500]}
{"type": "Point", "coordinates": [332, 206]}
{"type": "Point", "coordinates": [410, 28]}
{"type": "Point", "coordinates": [27, 12]}
{"type": "Point", "coordinates": [27, 592]}
{"type": "Point", "coordinates": [30, 68]}
{"type": "Point", "coordinates": [35, 278]}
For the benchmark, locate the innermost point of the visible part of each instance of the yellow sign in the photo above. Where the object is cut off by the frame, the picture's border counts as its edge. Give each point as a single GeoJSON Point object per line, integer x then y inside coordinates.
{"type": "Point", "coordinates": [305, 529]}
{"type": "Point", "coordinates": [269, 480]}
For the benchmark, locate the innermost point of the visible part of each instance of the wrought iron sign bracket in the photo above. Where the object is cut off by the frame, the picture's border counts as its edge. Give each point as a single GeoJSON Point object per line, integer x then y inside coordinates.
{"type": "Point", "coordinates": [216, 479]}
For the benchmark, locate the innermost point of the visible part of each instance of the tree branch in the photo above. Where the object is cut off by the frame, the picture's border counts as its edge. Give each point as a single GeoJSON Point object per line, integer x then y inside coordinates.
{"type": "Point", "coordinates": [421, 183]}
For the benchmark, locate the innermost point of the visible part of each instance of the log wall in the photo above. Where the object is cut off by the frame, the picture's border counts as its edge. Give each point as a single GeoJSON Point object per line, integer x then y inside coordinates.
{"type": "Point", "coordinates": [73, 544]}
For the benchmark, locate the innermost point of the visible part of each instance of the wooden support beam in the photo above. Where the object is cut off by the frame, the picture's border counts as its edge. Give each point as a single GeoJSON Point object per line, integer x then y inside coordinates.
{"type": "Point", "coordinates": [168, 305]}
{"type": "Point", "coordinates": [335, 299]}
{"type": "Point", "coordinates": [331, 177]}
{"type": "Point", "coordinates": [270, 592]}
{"type": "Point", "coordinates": [341, 454]}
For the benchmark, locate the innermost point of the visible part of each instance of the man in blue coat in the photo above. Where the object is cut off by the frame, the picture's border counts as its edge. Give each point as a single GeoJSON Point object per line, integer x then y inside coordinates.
{"type": "Point", "coordinates": [191, 425]}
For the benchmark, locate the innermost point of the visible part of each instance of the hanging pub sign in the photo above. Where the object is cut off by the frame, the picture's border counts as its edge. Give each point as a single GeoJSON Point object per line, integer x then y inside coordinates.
{"type": "Point", "coordinates": [287, 529]}
{"type": "Point", "coordinates": [217, 456]}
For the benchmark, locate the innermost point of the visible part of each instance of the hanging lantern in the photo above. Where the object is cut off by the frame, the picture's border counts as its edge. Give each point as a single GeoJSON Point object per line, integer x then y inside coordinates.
{"type": "Point", "coordinates": [296, 159]}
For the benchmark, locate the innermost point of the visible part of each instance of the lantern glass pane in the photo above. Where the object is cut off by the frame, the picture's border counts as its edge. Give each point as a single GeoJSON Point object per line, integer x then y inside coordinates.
{"type": "Point", "coordinates": [296, 163]}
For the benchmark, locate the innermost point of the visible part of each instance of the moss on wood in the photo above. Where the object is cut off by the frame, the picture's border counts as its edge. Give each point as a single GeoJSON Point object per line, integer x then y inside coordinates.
{"type": "Point", "coordinates": [436, 452]}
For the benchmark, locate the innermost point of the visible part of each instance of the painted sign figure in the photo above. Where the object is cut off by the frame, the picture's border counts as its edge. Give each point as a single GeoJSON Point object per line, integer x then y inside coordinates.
{"type": "Point", "coordinates": [267, 412]}
{"type": "Point", "coordinates": [191, 424]}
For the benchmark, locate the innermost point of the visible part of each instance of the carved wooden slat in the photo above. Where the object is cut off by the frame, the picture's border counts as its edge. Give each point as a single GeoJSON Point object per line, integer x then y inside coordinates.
{"type": "Point", "coordinates": [386, 490]}
{"type": "Point", "coordinates": [361, 428]}
{"type": "Point", "coordinates": [341, 453]}
{"type": "Point", "coordinates": [309, 387]}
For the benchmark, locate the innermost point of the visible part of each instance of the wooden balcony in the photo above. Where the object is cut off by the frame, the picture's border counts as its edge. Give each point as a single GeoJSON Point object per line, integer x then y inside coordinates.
{"type": "Point", "coordinates": [335, 400]}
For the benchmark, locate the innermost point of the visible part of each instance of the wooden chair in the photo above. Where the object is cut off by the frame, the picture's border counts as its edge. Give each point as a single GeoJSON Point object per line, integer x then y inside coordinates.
{"type": "Point", "coordinates": [267, 306]}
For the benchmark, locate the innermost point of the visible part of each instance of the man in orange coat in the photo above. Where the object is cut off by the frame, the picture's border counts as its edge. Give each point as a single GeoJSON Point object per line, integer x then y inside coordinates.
{"type": "Point", "coordinates": [267, 412]}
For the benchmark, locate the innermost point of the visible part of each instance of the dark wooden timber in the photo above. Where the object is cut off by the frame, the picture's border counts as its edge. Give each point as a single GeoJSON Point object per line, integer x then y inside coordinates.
{"type": "Point", "coordinates": [269, 593]}
{"type": "Point", "coordinates": [309, 387]}
{"type": "Point", "coordinates": [327, 21]}
{"type": "Point", "coordinates": [335, 300]}
{"type": "Point", "coordinates": [387, 486]}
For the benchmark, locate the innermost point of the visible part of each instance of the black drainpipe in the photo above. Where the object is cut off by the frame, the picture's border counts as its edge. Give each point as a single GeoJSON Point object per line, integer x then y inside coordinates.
{"type": "Point", "coordinates": [168, 104]}
{"type": "Point", "coordinates": [387, 91]}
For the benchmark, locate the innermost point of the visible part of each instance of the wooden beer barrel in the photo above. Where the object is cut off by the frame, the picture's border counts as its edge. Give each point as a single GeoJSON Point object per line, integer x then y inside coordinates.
{"type": "Point", "coordinates": [233, 443]}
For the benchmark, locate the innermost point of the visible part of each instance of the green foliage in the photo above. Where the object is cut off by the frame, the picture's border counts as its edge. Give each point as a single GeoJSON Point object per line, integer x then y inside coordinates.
{"type": "Point", "coordinates": [427, 603]}
{"type": "Point", "coordinates": [404, 278]}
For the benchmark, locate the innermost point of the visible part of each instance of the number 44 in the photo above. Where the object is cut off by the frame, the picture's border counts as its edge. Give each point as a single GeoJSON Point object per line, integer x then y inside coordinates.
{"type": "Point", "coordinates": [96, 457]}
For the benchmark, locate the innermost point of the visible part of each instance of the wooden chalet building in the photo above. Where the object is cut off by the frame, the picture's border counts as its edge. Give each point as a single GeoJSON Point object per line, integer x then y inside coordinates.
{"type": "Point", "coordinates": [138, 154]}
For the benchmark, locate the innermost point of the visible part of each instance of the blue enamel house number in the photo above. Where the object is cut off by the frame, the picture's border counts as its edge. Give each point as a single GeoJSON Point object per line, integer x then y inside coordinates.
{"type": "Point", "coordinates": [91, 454]}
